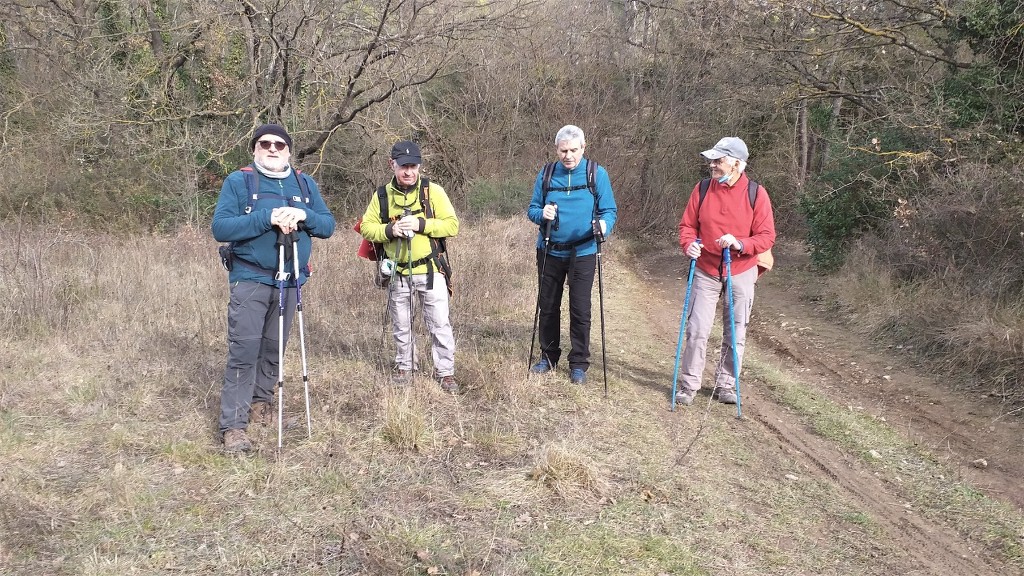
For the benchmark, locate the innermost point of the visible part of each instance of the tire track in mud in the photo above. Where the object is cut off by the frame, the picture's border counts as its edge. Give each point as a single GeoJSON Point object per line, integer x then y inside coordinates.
{"type": "Point", "coordinates": [828, 356]}
{"type": "Point", "coordinates": [937, 550]}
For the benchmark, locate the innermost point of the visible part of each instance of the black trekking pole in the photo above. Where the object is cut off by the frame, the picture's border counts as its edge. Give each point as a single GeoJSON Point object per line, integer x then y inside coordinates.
{"type": "Point", "coordinates": [540, 284]}
{"type": "Point", "coordinates": [727, 258]}
{"type": "Point", "coordinates": [682, 326]}
{"type": "Point", "coordinates": [281, 277]}
{"type": "Point", "coordinates": [599, 235]}
{"type": "Point", "coordinates": [302, 331]}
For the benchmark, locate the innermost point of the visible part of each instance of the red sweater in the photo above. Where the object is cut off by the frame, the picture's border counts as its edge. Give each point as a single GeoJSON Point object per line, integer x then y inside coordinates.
{"type": "Point", "coordinates": [726, 210]}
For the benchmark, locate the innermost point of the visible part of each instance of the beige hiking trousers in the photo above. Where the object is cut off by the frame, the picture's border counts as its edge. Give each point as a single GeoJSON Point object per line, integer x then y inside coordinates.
{"type": "Point", "coordinates": [704, 296]}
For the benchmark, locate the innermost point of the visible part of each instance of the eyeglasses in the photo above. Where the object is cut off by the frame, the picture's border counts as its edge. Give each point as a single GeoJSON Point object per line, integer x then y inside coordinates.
{"type": "Point", "coordinates": [275, 144]}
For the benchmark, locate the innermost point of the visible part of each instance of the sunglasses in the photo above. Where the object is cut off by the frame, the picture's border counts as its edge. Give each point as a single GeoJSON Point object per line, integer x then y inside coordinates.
{"type": "Point", "coordinates": [272, 144]}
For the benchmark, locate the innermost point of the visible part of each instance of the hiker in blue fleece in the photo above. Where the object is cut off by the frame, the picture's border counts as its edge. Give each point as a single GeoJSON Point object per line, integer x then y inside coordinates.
{"type": "Point", "coordinates": [578, 216]}
{"type": "Point", "coordinates": [251, 225]}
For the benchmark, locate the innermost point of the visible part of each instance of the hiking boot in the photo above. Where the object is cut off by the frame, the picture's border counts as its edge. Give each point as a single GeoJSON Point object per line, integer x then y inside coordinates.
{"type": "Point", "coordinates": [236, 441]}
{"type": "Point", "coordinates": [542, 367]}
{"type": "Point", "coordinates": [725, 396]}
{"type": "Point", "coordinates": [401, 378]}
{"type": "Point", "coordinates": [685, 397]}
{"type": "Point", "coordinates": [261, 413]}
{"type": "Point", "coordinates": [577, 376]}
{"type": "Point", "coordinates": [448, 384]}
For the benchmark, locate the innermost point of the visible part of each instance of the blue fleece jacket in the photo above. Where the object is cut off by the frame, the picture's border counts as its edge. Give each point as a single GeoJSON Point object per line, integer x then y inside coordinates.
{"type": "Point", "coordinates": [252, 233]}
{"type": "Point", "coordinates": [575, 208]}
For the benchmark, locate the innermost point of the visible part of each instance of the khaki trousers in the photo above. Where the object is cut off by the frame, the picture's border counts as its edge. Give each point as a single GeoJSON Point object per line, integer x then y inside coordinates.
{"type": "Point", "coordinates": [704, 296]}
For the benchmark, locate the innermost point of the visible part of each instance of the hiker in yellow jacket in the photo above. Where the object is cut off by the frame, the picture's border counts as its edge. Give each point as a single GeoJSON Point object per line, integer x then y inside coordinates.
{"type": "Point", "coordinates": [419, 219]}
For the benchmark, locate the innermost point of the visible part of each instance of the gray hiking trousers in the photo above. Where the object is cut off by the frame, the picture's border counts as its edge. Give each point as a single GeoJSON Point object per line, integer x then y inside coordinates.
{"type": "Point", "coordinates": [704, 296]}
{"type": "Point", "coordinates": [252, 366]}
{"type": "Point", "coordinates": [434, 302]}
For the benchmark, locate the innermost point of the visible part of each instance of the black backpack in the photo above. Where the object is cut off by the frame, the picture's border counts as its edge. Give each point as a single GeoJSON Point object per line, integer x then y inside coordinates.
{"type": "Point", "coordinates": [549, 170]}
{"type": "Point", "coordinates": [765, 260]}
{"type": "Point", "coordinates": [438, 257]}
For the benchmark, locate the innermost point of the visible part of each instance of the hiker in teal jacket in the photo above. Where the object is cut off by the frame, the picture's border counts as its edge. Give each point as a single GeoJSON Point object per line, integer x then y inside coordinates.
{"type": "Point", "coordinates": [285, 201]}
{"type": "Point", "coordinates": [579, 211]}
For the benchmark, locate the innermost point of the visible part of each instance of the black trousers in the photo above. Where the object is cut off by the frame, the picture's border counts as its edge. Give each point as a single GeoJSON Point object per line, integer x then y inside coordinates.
{"type": "Point", "coordinates": [578, 273]}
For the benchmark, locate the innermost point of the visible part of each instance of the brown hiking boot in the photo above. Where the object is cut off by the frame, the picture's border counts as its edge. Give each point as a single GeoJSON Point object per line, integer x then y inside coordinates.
{"type": "Point", "coordinates": [236, 441]}
{"type": "Point", "coordinates": [264, 414]}
{"type": "Point", "coordinates": [261, 413]}
{"type": "Point", "coordinates": [448, 384]}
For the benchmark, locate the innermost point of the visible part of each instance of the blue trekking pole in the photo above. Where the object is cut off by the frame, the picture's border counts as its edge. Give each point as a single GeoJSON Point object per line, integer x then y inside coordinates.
{"type": "Point", "coordinates": [727, 258]}
{"type": "Point", "coordinates": [682, 326]}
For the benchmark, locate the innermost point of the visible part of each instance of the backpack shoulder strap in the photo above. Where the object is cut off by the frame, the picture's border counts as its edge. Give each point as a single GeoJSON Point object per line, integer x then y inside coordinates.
{"type": "Point", "coordinates": [428, 210]}
{"type": "Point", "coordinates": [382, 201]}
{"type": "Point", "coordinates": [545, 181]}
{"type": "Point", "coordinates": [303, 185]}
{"type": "Point", "coordinates": [252, 187]}
{"type": "Point", "coordinates": [752, 187]}
{"type": "Point", "coordinates": [592, 182]}
{"type": "Point", "coordinates": [704, 185]}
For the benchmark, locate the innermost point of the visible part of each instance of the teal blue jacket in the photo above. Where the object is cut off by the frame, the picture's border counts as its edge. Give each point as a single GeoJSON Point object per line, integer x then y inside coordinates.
{"type": "Point", "coordinates": [252, 234]}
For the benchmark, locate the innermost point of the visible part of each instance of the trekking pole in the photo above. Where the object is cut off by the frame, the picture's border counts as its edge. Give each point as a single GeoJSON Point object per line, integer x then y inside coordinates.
{"type": "Point", "coordinates": [540, 283]}
{"type": "Point", "coordinates": [302, 331]}
{"type": "Point", "coordinates": [412, 308]}
{"type": "Point", "coordinates": [727, 258]}
{"type": "Point", "coordinates": [281, 277]}
{"type": "Point", "coordinates": [682, 326]}
{"type": "Point", "coordinates": [600, 300]}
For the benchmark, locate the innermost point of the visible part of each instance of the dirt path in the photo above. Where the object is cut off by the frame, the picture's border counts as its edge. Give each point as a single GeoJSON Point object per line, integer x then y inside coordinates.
{"type": "Point", "coordinates": [881, 380]}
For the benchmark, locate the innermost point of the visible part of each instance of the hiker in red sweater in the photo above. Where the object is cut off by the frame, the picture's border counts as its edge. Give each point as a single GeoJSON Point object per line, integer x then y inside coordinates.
{"type": "Point", "coordinates": [726, 217]}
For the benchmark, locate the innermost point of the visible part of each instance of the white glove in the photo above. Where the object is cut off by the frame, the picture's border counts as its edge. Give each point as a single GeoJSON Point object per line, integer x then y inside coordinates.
{"type": "Point", "coordinates": [693, 250]}
{"type": "Point", "coordinates": [407, 226]}
{"type": "Point", "coordinates": [550, 211]}
{"type": "Point", "coordinates": [729, 241]}
{"type": "Point", "coordinates": [604, 227]}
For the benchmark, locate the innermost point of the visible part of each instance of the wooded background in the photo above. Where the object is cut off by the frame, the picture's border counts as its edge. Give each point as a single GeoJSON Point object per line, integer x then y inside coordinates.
{"type": "Point", "coordinates": [886, 129]}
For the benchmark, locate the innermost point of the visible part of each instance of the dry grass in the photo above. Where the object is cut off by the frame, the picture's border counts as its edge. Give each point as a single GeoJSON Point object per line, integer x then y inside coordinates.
{"type": "Point", "coordinates": [112, 356]}
{"type": "Point", "coordinates": [959, 333]}
{"type": "Point", "coordinates": [567, 474]}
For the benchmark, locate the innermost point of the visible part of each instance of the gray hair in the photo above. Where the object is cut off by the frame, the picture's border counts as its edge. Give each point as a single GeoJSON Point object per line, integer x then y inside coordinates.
{"type": "Point", "coordinates": [570, 132]}
{"type": "Point", "coordinates": [741, 166]}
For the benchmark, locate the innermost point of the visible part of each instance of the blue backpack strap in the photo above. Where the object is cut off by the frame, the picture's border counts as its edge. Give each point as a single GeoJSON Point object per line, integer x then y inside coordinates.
{"type": "Point", "coordinates": [252, 187]}
{"type": "Point", "coordinates": [300, 178]}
